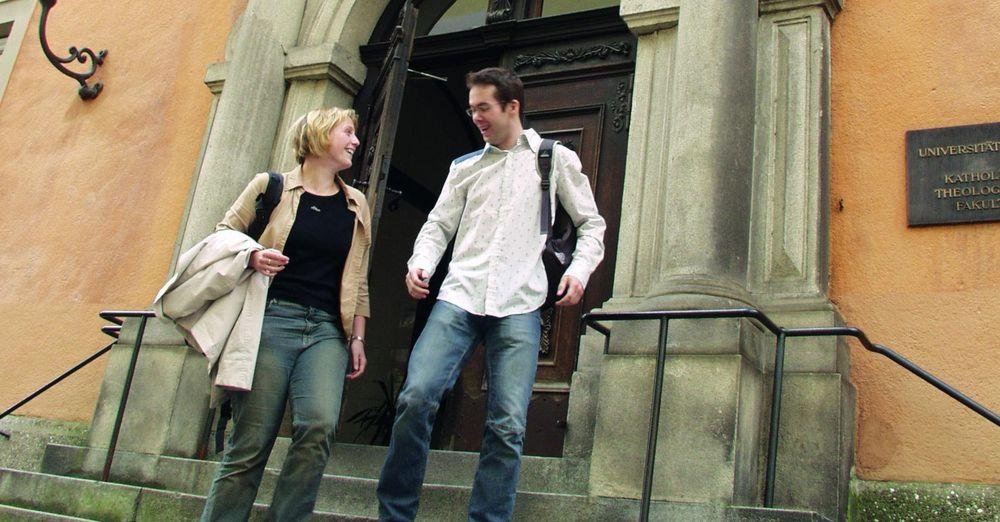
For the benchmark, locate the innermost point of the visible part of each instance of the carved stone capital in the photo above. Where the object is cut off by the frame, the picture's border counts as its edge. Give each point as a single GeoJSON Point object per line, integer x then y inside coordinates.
{"type": "Point", "coordinates": [644, 19]}
{"type": "Point", "coordinates": [830, 7]}
{"type": "Point", "coordinates": [215, 77]}
{"type": "Point", "coordinates": [325, 62]}
{"type": "Point", "coordinates": [317, 62]}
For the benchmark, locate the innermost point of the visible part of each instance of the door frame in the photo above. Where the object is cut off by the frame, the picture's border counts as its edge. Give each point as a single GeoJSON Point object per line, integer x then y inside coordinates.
{"type": "Point", "coordinates": [498, 39]}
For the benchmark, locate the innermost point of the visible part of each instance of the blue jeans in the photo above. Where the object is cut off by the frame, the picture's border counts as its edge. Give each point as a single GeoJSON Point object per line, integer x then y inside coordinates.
{"type": "Point", "coordinates": [440, 353]}
{"type": "Point", "coordinates": [302, 359]}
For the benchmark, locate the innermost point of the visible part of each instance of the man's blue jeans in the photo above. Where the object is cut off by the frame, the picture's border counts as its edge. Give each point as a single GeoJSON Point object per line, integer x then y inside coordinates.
{"type": "Point", "coordinates": [440, 353]}
{"type": "Point", "coordinates": [303, 359]}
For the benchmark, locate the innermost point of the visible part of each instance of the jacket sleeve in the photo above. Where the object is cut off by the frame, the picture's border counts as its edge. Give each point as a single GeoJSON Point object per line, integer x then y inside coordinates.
{"type": "Point", "coordinates": [363, 307]}
{"type": "Point", "coordinates": [573, 191]}
{"type": "Point", "coordinates": [241, 214]}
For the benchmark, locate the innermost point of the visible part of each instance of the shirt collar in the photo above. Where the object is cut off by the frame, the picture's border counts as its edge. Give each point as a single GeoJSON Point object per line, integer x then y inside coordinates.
{"type": "Point", "coordinates": [534, 140]}
{"type": "Point", "coordinates": [528, 137]}
{"type": "Point", "coordinates": [293, 180]}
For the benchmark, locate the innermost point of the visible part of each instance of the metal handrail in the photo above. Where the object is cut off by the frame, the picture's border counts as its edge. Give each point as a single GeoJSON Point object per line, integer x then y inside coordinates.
{"type": "Point", "coordinates": [664, 316]}
{"type": "Point", "coordinates": [52, 383]}
{"type": "Point", "coordinates": [117, 317]}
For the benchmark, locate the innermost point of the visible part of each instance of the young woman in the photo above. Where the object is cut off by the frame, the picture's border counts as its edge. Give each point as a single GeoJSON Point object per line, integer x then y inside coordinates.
{"type": "Point", "coordinates": [313, 336]}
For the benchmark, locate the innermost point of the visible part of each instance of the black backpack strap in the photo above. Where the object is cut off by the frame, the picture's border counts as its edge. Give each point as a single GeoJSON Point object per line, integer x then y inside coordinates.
{"type": "Point", "coordinates": [265, 203]}
{"type": "Point", "coordinates": [545, 170]}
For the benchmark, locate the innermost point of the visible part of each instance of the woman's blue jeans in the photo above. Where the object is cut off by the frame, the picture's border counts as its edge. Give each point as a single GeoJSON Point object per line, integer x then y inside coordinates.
{"type": "Point", "coordinates": [440, 353]}
{"type": "Point", "coordinates": [302, 359]}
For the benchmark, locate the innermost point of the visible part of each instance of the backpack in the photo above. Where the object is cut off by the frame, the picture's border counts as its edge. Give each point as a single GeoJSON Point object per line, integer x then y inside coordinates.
{"type": "Point", "coordinates": [560, 240]}
{"type": "Point", "coordinates": [264, 205]}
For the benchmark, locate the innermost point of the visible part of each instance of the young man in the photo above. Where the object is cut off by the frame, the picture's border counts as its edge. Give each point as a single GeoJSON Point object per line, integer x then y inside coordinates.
{"type": "Point", "coordinates": [495, 284]}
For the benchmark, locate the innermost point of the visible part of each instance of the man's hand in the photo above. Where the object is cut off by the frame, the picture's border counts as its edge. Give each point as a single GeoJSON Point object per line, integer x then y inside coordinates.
{"type": "Point", "coordinates": [571, 290]}
{"type": "Point", "coordinates": [417, 283]}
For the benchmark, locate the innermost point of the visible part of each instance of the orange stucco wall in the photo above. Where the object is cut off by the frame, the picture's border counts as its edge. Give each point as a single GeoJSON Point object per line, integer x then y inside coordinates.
{"type": "Point", "coordinates": [94, 192]}
{"type": "Point", "coordinates": [932, 294]}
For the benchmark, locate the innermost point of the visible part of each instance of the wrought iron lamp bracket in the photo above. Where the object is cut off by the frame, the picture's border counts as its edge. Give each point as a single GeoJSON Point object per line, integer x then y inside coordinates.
{"type": "Point", "coordinates": [87, 92]}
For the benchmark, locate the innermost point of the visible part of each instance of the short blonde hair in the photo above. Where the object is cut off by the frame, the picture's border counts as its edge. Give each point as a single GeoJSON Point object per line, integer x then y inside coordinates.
{"type": "Point", "coordinates": [310, 134]}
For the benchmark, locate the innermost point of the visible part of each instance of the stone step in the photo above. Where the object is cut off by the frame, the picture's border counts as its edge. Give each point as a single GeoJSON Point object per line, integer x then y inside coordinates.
{"type": "Point", "coordinates": [753, 514]}
{"type": "Point", "coordinates": [27, 494]}
{"type": "Point", "coordinates": [12, 513]}
{"type": "Point", "coordinates": [342, 494]}
{"type": "Point", "coordinates": [341, 499]}
{"type": "Point", "coordinates": [29, 436]}
{"type": "Point", "coordinates": [538, 474]}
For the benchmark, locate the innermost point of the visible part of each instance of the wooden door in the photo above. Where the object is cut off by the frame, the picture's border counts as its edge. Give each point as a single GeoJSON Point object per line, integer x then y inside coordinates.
{"type": "Point", "coordinates": [578, 92]}
{"type": "Point", "coordinates": [381, 116]}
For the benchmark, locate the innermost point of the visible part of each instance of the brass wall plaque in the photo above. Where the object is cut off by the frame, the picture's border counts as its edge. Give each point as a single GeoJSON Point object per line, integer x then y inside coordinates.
{"type": "Point", "coordinates": [953, 174]}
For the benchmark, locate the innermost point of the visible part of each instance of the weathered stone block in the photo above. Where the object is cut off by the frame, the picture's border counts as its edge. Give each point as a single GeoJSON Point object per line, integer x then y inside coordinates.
{"type": "Point", "coordinates": [814, 438]}
{"type": "Point", "coordinates": [702, 453]}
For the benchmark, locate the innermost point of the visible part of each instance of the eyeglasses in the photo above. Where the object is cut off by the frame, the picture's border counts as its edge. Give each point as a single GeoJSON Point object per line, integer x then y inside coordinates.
{"type": "Point", "coordinates": [482, 107]}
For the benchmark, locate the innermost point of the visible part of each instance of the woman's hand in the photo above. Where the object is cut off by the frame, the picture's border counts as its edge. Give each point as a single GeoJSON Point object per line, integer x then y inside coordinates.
{"type": "Point", "coordinates": [268, 262]}
{"type": "Point", "coordinates": [358, 359]}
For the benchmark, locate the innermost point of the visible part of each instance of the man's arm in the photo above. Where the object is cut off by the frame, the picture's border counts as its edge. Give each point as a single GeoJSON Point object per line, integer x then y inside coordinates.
{"type": "Point", "coordinates": [434, 236]}
{"type": "Point", "coordinates": [573, 191]}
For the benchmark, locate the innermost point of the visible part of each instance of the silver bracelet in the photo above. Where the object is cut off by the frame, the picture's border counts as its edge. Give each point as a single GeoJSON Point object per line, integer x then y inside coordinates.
{"type": "Point", "coordinates": [358, 338]}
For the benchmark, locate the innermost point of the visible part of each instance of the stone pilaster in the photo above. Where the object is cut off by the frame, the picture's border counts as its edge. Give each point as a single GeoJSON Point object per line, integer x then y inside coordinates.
{"type": "Point", "coordinates": [686, 245]}
{"type": "Point", "coordinates": [727, 165]}
{"type": "Point", "coordinates": [789, 254]}
{"type": "Point", "coordinates": [246, 119]}
{"type": "Point", "coordinates": [690, 150]}
{"type": "Point", "coordinates": [789, 258]}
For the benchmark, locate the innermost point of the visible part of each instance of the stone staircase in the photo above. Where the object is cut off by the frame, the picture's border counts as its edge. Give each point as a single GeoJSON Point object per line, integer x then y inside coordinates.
{"type": "Point", "coordinates": [148, 487]}
{"type": "Point", "coordinates": [155, 488]}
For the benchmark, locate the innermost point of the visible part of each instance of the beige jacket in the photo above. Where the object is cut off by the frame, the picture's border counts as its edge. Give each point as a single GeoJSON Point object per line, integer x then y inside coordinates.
{"type": "Point", "coordinates": [218, 302]}
{"type": "Point", "coordinates": [354, 282]}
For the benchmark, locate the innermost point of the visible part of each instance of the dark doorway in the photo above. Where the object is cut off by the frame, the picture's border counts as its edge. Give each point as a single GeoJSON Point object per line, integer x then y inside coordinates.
{"type": "Point", "coordinates": [577, 70]}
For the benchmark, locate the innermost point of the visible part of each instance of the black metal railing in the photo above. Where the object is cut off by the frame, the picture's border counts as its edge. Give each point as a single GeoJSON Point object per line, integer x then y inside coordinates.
{"type": "Point", "coordinates": [52, 383]}
{"type": "Point", "coordinates": [782, 333]}
{"type": "Point", "coordinates": [117, 318]}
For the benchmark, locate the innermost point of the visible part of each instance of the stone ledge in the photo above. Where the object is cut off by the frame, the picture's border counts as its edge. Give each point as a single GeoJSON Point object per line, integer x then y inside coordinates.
{"type": "Point", "coordinates": [29, 437]}
{"type": "Point", "coordinates": [831, 7]}
{"type": "Point", "coordinates": [645, 17]}
{"type": "Point", "coordinates": [873, 500]}
{"type": "Point", "coordinates": [319, 62]}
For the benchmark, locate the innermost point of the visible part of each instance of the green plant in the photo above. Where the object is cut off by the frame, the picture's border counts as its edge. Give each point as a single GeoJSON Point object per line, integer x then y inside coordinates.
{"type": "Point", "coordinates": [378, 418]}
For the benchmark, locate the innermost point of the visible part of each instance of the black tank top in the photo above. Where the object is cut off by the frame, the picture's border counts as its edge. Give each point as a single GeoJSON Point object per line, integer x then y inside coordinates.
{"type": "Point", "coordinates": [317, 248]}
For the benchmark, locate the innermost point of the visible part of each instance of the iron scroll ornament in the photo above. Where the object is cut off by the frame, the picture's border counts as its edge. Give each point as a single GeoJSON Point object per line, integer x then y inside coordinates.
{"type": "Point", "coordinates": [87, 92]}
{"type": "Point", "coordinates": [499, 11]}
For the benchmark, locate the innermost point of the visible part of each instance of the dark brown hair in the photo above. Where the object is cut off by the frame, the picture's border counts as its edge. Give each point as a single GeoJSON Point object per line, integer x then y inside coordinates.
{"type": "Point", "coordinates": [509, 86]}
